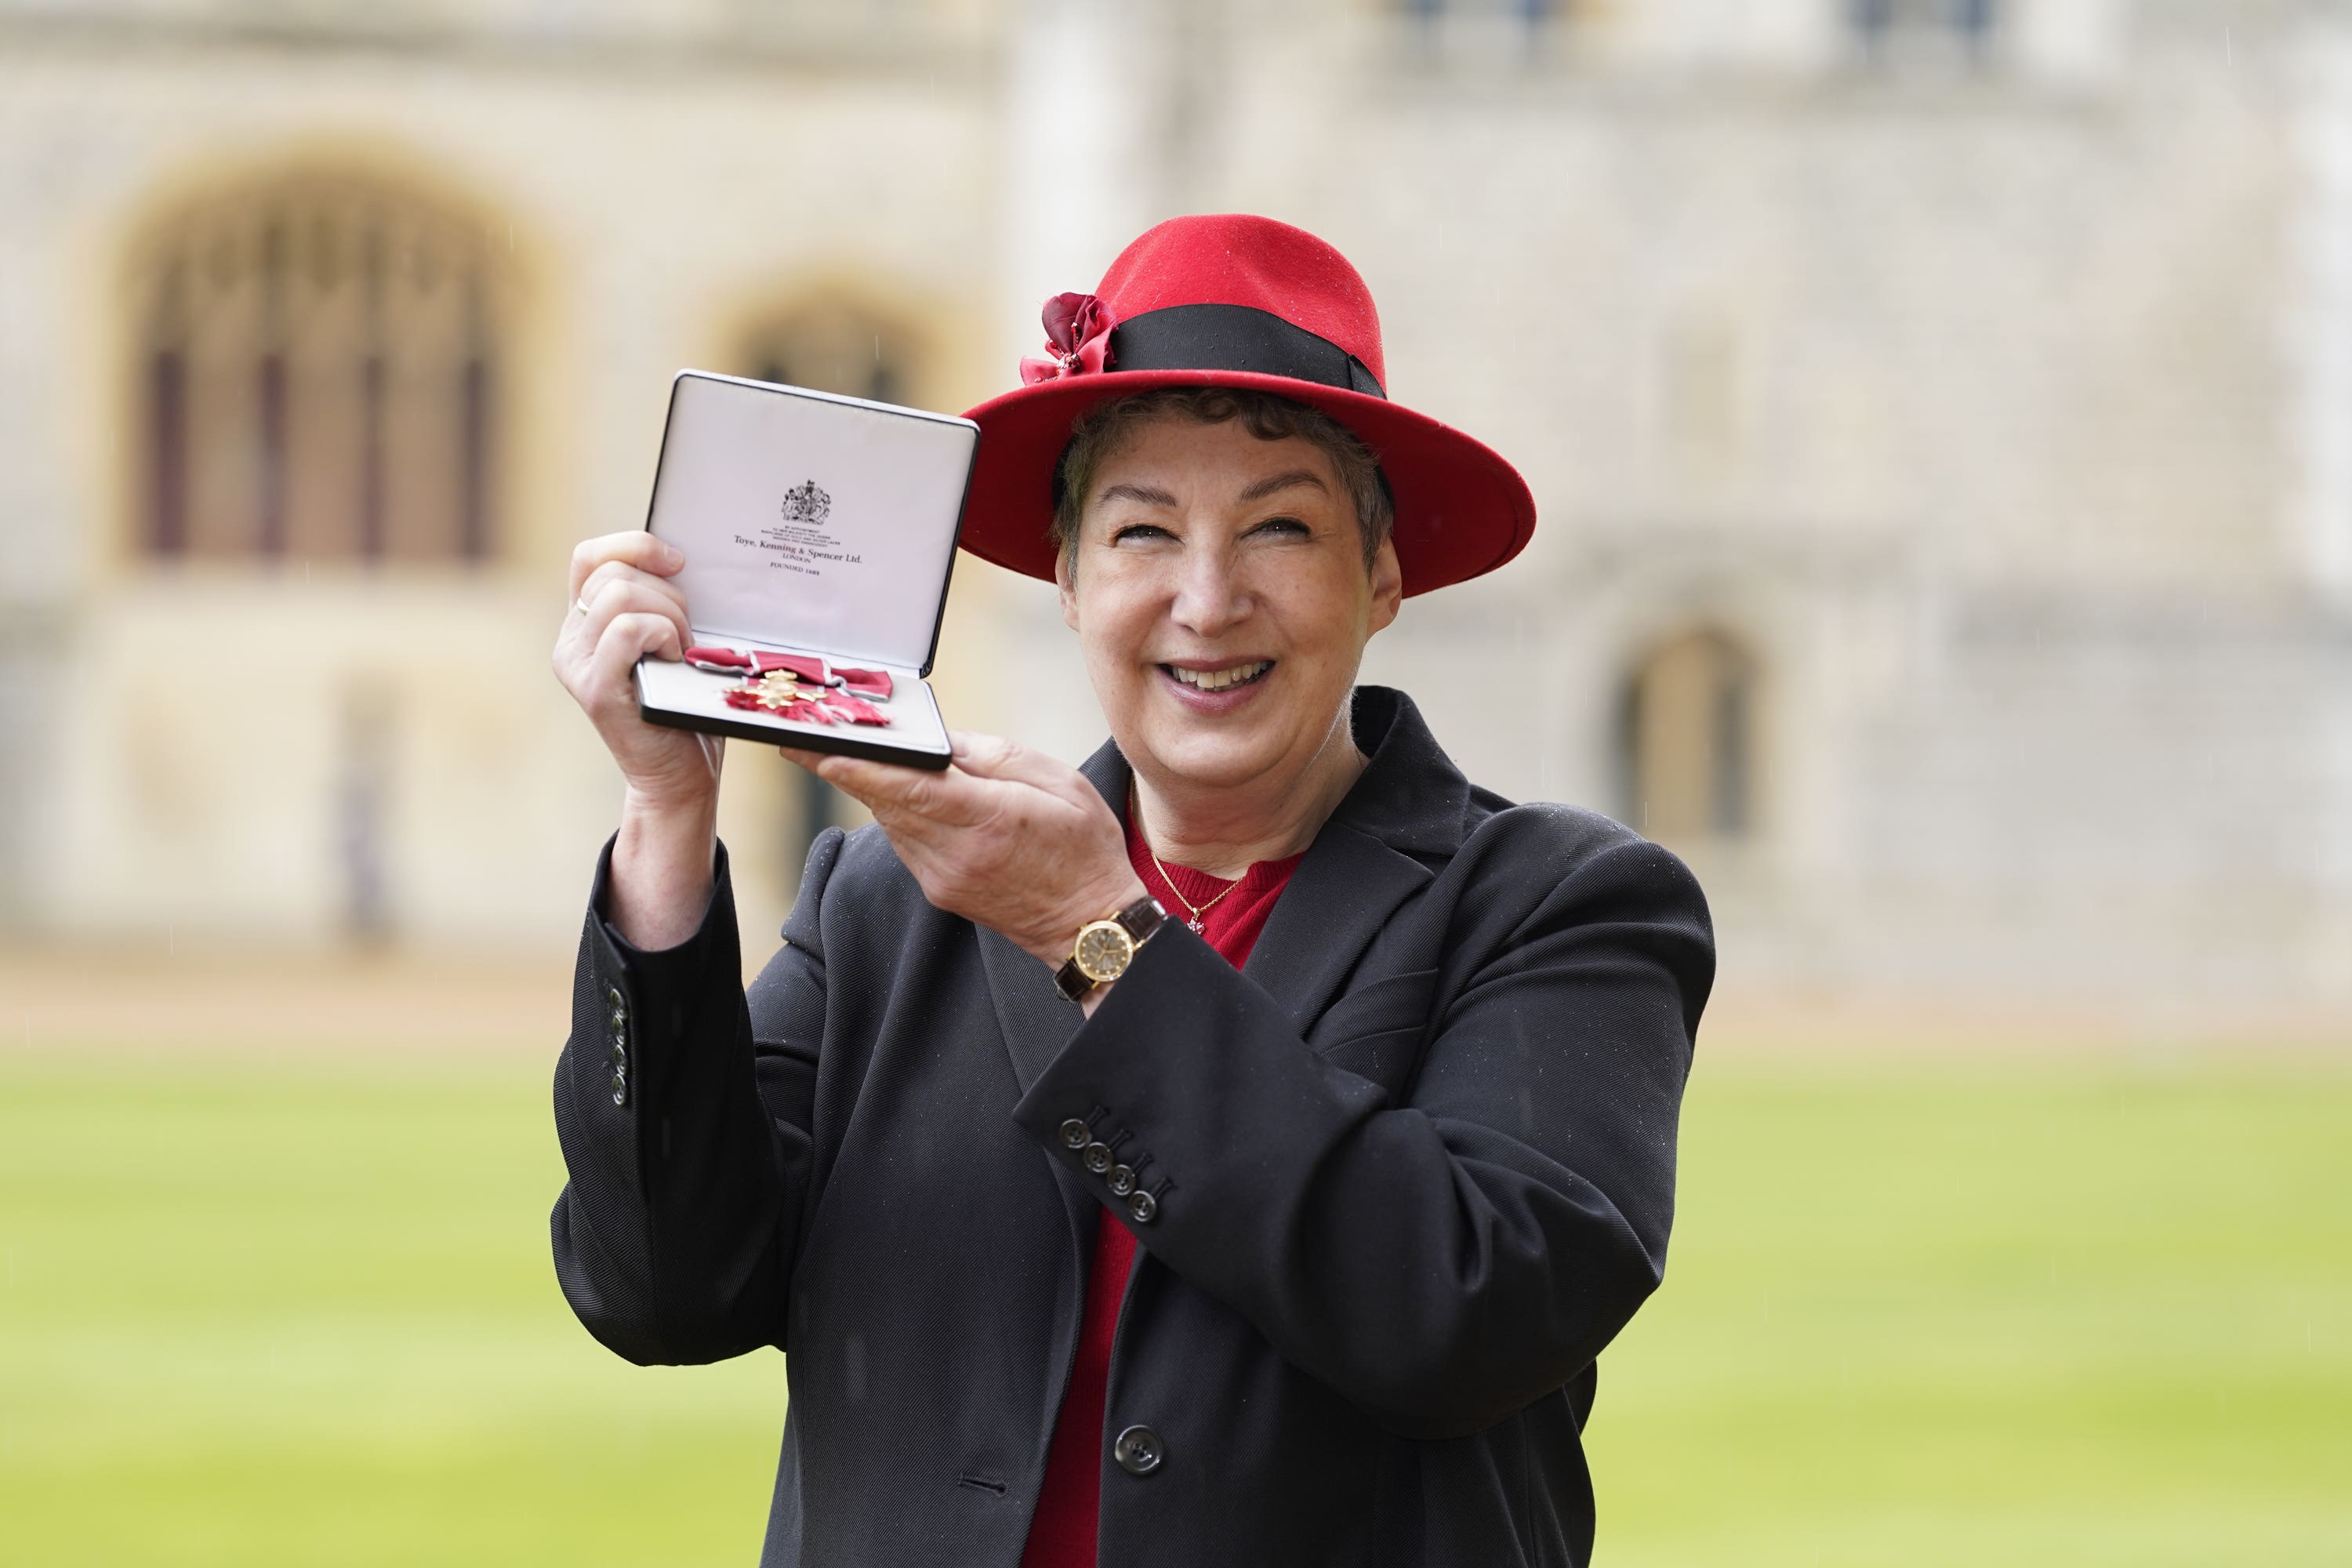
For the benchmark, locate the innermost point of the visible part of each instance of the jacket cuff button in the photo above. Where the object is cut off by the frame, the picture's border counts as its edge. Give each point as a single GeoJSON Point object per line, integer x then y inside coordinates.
{"type": "Point", "coordinates": [1121, 1180]}
{"type": "Point", "coordinates": [1098, 1158]}
{"type": "Point", "coordinates": [1076, 1134]}
{"type": "Point", "coordinates": [1143, 1209]}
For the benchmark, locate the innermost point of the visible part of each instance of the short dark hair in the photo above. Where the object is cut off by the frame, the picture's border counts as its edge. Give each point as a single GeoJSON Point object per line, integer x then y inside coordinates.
{"type": "Point", "coordinates": [1102, 429]}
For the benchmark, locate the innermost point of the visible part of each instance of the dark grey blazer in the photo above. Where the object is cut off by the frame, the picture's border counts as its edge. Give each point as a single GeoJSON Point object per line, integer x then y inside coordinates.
{"type": "Point", "coordinates": [1407, 1174]}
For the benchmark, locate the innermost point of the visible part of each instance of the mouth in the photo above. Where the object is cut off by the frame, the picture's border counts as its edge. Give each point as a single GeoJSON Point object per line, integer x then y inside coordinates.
{"type": "Point", "coordinates": [1217, 680]}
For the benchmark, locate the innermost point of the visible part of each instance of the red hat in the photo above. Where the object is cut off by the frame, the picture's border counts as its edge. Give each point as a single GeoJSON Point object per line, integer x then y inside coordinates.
{"type": "Point", "coordinates": [1235, 300]}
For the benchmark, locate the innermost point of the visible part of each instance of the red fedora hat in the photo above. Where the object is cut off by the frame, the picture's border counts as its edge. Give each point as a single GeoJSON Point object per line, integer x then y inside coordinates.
{"type": "Point", "coordinates": [1235, 300]}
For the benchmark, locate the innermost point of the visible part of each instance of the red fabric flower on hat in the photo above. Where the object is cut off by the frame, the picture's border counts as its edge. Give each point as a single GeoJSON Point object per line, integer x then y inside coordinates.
{"type": "Point", "coordinates": [1077, 329]}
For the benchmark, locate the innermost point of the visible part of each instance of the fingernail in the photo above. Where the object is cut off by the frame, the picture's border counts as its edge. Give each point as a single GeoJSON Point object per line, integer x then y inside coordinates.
{"type": "Point", "coordinates": [958, 743]}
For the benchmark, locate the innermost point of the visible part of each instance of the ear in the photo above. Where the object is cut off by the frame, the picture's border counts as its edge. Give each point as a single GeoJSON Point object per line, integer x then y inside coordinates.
{"type": "Point", "coordinates": [1066, 578]}
{"type": "Point", "coordinates": [1388, 586]}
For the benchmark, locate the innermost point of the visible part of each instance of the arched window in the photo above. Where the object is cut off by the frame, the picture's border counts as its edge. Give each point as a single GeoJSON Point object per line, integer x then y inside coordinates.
{"type": "Point", "coordinates": [1686, 739]}
{"type": "Point", "coordinates": [319, 376]}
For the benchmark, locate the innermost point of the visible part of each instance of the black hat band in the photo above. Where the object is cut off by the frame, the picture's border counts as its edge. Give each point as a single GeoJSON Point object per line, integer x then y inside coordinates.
{"type": "Point", "coordinates": [1236, 338]}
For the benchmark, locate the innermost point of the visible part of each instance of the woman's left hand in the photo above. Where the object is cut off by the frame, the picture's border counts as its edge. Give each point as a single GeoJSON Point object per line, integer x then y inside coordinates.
{"type": "Point", "coordinates": [1009, 839]}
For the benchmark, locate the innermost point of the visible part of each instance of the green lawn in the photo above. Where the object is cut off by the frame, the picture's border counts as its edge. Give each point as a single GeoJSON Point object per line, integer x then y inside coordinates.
{"type": "Point", "coordinates": [1994, 1312]}
{"type": "Point", "coordinates": [1919, 1312]}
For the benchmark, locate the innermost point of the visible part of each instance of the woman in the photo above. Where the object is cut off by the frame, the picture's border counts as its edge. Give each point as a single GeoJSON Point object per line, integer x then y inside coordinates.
{"type": "Point", "coordinates": [1293, 1241]}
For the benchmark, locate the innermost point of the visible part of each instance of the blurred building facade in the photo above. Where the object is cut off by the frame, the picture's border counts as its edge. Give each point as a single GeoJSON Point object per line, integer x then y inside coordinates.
{"type": "Point", "coordinates": [1940, 411]}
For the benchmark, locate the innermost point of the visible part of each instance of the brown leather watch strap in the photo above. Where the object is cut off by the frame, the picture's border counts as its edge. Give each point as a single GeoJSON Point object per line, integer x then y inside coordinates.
{"type": "Point", "coordinates": [1143, 918]}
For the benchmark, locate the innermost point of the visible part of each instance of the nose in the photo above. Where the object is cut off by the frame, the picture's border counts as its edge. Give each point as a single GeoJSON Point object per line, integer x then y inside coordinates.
{"type": "Point", "coordinates": [1210, 595]}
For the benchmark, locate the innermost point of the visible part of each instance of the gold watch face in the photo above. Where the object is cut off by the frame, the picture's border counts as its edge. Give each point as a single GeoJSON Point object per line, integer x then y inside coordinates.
{"type": "Point", "coordinates": [1104, 950]}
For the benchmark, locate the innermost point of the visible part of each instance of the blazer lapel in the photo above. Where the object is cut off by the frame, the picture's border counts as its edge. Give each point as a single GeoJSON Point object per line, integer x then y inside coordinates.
{"type": "Point", "coordinates": [1337, 901]}
{"type": "Point", "coordinates": [1410, 799]}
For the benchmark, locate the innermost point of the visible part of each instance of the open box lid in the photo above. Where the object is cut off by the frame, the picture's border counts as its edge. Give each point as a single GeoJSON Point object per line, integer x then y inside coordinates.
{"type": "Point", "coordinates": [810, 521]}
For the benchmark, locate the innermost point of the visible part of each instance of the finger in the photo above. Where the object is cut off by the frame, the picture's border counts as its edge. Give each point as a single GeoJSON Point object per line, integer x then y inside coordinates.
{"type": "Point", "coordinates": [626, 596]}
{"type": "Point", "coordinates": [897, 790]}
{"type": "Point", "coordinates": [857, 777]}
{"type": "Point", "coordinates": [636, 546]}
{"type": "Point", "coordinates": [995, 757]}
{"type": "Point", "coordinates": [626, 639]}
{"type": "Point", "coordinates": [842, 773]}
{"type": "Point", "coordinates": [613, 572]}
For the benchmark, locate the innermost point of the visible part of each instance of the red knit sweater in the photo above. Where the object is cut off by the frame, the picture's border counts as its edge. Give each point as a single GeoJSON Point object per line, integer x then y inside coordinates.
{"type": "Point", "coordinates": [1062, 1535]}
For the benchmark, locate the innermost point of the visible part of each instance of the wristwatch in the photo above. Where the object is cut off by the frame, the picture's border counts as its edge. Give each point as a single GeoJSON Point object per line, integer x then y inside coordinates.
{"type": "Point", "coordinates": [1104, 948]}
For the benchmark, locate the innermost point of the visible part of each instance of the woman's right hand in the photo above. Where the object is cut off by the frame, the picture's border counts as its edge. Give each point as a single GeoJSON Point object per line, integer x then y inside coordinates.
{"type": "Point", "coordinates": [625, 605]}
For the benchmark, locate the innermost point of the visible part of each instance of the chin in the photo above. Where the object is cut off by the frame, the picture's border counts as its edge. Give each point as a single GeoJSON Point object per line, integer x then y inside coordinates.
{"type": "Point", "coordinates": [1207, 759]}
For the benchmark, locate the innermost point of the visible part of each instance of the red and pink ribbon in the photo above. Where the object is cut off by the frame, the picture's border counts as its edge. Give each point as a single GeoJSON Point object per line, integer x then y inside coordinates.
{"type": "Point", "coordinates": [834, 708]}
{"type": "Point", "coordinates": [837, 694]}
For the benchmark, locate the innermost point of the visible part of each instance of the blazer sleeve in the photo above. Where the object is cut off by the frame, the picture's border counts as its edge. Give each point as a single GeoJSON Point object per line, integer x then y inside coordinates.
{"type": "Point", "coordinates": [1444, 1262]}
{"type": "Point", "coordinates": [685, 1131]}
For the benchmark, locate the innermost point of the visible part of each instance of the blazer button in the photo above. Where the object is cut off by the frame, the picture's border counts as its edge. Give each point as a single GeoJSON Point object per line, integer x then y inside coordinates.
{"type": "Point", "coordinates": [620, 1088]}
{"type": "Point", "coordinates": [1076, 1134]}
{"type": "Point", "coordinates": [1137, 1450]}
{"type": "Point", "coordinates": [1098, 1158]}
{"type": "Point", "coordinates": [1120, 1179]}
{"type": "Point", "coordinates": [1143, 1209]}
{"type": "Point", "coordinates": [612, 994]}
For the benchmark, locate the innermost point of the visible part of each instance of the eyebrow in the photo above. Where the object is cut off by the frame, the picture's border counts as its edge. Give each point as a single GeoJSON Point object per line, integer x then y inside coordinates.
{"type": "Point", "coordinates": [1152, 495]}
{"type": "Point", "coordinates": [1267, 487]}
{"type": "Point", "coordinates": [1149, 495]}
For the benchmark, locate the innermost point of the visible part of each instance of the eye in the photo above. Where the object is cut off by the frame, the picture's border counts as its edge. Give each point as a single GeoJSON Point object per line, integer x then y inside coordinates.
{"type": "Point", "coordinates": [1138, 531]}
{"type": "Point", "coordinates": [1289, 526]}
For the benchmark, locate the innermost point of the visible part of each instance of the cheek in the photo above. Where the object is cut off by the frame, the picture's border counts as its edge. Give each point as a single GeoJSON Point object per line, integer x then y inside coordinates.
{"type": "Point", "coordinates": [1114, 626]}
{"type": "Point", "coordinates": [1323, 618]}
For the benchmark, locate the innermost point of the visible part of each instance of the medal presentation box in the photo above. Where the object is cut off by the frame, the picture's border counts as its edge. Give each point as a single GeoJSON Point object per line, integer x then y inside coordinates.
{"type": "Point", "coordinates": [819, 532]}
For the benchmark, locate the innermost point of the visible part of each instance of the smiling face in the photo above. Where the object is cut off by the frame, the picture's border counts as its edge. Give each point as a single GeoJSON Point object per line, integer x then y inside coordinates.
{"type": "Point", "coordinates": [1218, 587]}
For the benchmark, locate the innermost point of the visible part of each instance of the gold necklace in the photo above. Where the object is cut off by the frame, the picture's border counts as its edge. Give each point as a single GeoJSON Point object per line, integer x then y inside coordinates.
{"type": "Point", "coordinates": [1134, 812]}
{"type": "Point", "coordinates": [1197, 910]}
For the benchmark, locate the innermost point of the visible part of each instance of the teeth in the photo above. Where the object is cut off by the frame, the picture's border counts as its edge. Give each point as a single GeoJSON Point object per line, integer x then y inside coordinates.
{"type": "Point", "coordinates": [1218, 679]}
